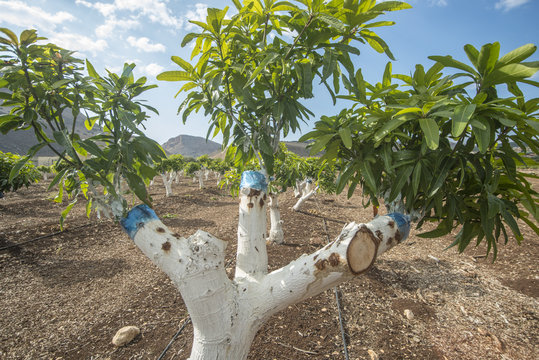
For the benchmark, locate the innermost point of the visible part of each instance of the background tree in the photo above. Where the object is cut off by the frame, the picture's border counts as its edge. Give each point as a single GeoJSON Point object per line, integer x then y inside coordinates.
{"type": "Point", "coordinates": [442, 146]}
{"type": "Point", "coordinates": [43, 81]}
{"type": "Point", "coordinates": [27, 175]}
{"type": "Point", "coordinates": [169, 168]}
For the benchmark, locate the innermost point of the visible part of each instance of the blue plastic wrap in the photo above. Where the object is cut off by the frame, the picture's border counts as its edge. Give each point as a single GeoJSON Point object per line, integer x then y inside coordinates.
{"type": "Point", "coordinates": [403, 222]}
{"type": "Point", "coordinates": [137, 218]}
{"type": "Point", "coordinates": [254, 180]}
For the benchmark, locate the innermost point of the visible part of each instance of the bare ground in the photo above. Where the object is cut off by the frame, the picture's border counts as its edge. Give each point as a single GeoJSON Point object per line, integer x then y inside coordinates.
{"type": "Point", "coordinates": [64, 296]}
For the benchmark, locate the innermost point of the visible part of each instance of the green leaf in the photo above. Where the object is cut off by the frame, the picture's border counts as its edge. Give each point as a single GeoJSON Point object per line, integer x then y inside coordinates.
{"type": "Point", "coordinates": [450, 62]}
{"type": "Point", "coordinates": [391, 6]}
{"type": "Point", "coordinates": [366, 171]}
{"type": "Point", "coordinates": [332, 21]}
{"type": "Point", "coordinates": [268, 59]}
{"type": "Point", "coordinates": [66, 212]}
{"type": "Point", "coordinates": [431, 131]}
{"type": "Point", "coordinates": [17, 167]}
{"type": "Point", "coordinates": [472, 54]}
{"type": "Point", "coordinates": [509, 73]}
{"type": "Point", "coordinates": [416, 177]}
{"type": "Point", "coordinates": [517, 55]}
{"type": "Point", "coordinates": [11, 35]}
{"type": "Point", "coordinates": [183, 64]}
{"type": "Point", "coordinates": [402, 178]}
{"type": "Point", "coordinates": [487, 57]}
{"type": "Point", "coordinates": [91, 70]}
{"type": "Point", "coordinates": [175, 76]}
{"type": "Point", "coordinates": [346, 137]}
{"type": "Point", "coordinates": [408, 110]}
{"type": "Point", "coordinates": [461, 116]}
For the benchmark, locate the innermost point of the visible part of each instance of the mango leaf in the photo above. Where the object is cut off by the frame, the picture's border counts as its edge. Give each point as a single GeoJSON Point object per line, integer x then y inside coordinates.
{"type": "Point", "coordinates": [516, 55]}
{"type": "Point", "coordinates": [450, 62]}
{"type": "Point", "coordinates": [509, 73]}
{"type": "Point", "coordinates": [175, 76]}
{"type": "Point", "coordinates": [461, 116]}
{"type": "Point", "coordinates": [431, 131]}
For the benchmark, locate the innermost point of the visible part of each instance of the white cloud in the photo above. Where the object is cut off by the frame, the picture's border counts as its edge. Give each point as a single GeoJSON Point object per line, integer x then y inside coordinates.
{"type": "Point", "coordinates": [155, 10]}
{"type": "Point", "coordinates": [20, 14]}
{"type": "Point", "coordinates": [507, 5]}
{"type": "Point", "coordinates": [143, 44]}
{"type": "Point", "coordinates": [111, 24]}
{"type": "Point", "coordinates": [152, 69]}
{"type": "Point", "coordinates": [438, 2]}
{"type": "Point", "coordinates": [199, 14]}
{"type": "Point", "coordinates": [79, 43]}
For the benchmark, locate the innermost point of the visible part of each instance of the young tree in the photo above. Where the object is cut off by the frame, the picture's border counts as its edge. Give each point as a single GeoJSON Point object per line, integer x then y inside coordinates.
{"type": "Point", "coordinates": [44, 81]}
{"type": "Point", "coordinates": [27, 174]}
{"type": "Point", "coordinates": [169, 169]}
{"type": "Point", "coordinates": [252, 71]}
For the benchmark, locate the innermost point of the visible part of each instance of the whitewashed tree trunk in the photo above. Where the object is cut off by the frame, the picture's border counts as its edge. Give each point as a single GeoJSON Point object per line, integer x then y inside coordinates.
{"type": "Point", "coordinates": [226, 314]}
{"type": "Point", "coordinates": [167, 180]}
{"type": "Point", "coordinates": [276, 234]}
{"type": "Point", "coordinates": [309, 190]}
{"type": "Point", "coordinates": [218, 177]}
{"type": "Point", "coordinates": [200, 180]}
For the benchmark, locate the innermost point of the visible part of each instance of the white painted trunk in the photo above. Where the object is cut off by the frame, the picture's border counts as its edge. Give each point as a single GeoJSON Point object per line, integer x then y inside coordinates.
{"type": "Point", "coordinates": [226, 314]}
{"type": "Point", "coordinates": [200, 180]}
{"type": "Point", "coordinates": [307, 194]}
{"type": "Point", "coordinates": [276, 234]}
{"type": "Point", "coordinates": [167, 181]}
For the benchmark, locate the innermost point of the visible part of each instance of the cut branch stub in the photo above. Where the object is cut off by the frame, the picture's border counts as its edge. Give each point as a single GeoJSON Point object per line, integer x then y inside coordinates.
{"type": "Point", "coordinates": [362, 250]}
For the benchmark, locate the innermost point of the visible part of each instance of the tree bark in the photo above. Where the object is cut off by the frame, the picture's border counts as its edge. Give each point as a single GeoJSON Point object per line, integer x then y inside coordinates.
{"type": "Point", "coordinates": [276, 234]}
{"type": "Point", "coordinates": [226, 314]}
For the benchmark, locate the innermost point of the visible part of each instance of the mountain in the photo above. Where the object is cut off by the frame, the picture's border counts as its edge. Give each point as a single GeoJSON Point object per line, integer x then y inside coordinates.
{"type": "Point", "coordinates": [19, 142]}
{"type": "Point", "coordinates": [191, 146]}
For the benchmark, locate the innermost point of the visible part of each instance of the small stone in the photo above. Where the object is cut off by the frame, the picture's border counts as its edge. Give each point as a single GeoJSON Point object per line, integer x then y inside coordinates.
{"type": "Point", "coordinates": [324, 310]}
{"type": "Point", "coordinates": [409, 314]}
{"type": "Point", "coordinates": [482, 331]}
{"type": "Point", "coordinates": [125, 335]}
{"type": "Point", "coordinates": [372, 354]}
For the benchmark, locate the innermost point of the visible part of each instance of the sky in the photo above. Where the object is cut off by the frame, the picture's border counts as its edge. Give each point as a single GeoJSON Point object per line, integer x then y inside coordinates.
{"type": "Point", "coordinates": [148, 32]}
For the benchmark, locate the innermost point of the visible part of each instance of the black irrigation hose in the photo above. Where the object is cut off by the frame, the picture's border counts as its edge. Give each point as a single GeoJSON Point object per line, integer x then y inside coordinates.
{"type": "Point", "coordinates": [174, 338]}
{"type": "Point", "coordinates": [43, 237]}
{"type": "Point", "coordinates": [336, 291]}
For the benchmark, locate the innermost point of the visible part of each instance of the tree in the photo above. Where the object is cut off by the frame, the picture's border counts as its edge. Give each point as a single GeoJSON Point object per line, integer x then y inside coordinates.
{"type": "Point", "coordinates": [252, 71]}
{"type": "Point", "coordinates": [437, 149]}
{"type": "Point", "coordinates": [27, 175]}
{"type": "Point", "coordinates": [43, 81]}
{"type": "Point", "coordinates": [169, 169]}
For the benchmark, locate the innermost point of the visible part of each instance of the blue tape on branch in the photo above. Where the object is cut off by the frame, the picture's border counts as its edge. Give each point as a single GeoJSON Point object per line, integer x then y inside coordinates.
{"type": "Point", "coordinates": [254, 180]}
{"type": "Point", "coordinates": [137, 218]}
{"type": "Point", "coordinates": [403, 222]}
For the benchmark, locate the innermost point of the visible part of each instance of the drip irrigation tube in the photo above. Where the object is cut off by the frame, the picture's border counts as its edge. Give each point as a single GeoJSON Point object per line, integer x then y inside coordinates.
{"type": "Point", "coordinates": [42, 237]}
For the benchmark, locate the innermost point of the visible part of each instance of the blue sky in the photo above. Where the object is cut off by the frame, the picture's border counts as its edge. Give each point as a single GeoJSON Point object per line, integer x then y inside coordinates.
{"type": "Point", "coordinates": [148, 32]}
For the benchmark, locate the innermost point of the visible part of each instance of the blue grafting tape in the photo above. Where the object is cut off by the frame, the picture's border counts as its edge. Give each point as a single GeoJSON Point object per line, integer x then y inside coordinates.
{"type": "Point", "coordinates": [254, 180]}
{"type": "Point", "coordinates": [136, 218]}
{"type": "Point", "coordinates": [403, 222]}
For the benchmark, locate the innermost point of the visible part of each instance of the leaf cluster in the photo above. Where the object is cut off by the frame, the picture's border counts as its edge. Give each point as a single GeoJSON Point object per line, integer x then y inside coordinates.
{"type": "Point", "coordinates": [249, 73]}
{"type": "Point", "coordinates": [27, 175]}
{"type": "Point", "coordinates": [441, 147]}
